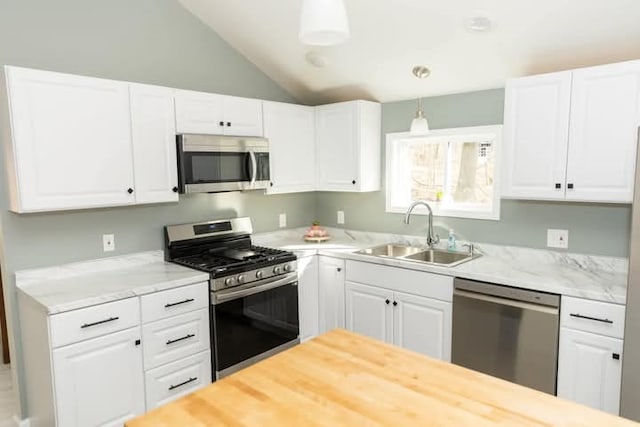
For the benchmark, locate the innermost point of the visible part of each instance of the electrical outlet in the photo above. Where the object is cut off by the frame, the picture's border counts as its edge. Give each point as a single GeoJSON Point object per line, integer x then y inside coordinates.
{"type": "Point", "coordinates": [282, 220]}
{"type": "Point", "coordinates": [558, 238]}
{"type": "Point", "coordinates": [340, 217]}
{"type": "Point", "coordinates": [108, 243]}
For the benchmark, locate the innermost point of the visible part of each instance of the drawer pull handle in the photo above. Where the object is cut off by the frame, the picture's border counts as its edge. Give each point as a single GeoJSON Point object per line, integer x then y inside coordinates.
{"type": "Point", "coordinates": [186, 337]}
{"type": "Point", "coordinates": [580, 316]}
{"type": "Point", "coordinates": [173, 304]}
{"type": "Point", "coordinates": [88, 325]}
{"type": "Point", "coordinates": [190, 380]}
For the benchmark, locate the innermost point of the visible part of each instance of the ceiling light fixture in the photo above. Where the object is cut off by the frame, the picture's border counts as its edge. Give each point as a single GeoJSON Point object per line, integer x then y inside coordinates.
{"type": "Point", "coordinates": [323, 23]}
{"type": "Point", "coordinates": [420, 125]}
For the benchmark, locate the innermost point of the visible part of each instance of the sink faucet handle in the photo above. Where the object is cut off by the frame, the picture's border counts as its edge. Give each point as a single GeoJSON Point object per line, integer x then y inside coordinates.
{"type": "Point", "coordinates": [470, 246]}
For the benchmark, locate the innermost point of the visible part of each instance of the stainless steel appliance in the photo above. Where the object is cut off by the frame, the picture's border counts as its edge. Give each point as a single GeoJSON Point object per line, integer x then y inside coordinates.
{"type": "Point", "coordinates": [212, 163]}
{"type": "Point", "coordinates": [254, 290]}
{"type": "Point", "coordinates": [506, 332]}
{"type": "Point", "coordinates": [630, 391]}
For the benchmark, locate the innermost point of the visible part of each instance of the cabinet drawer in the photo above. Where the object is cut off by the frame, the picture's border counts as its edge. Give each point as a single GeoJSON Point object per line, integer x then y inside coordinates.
{"type": "Point", "coordinates": [176, 337]}
{"type": "Point", "coordinates": [91, 322]}
{"type": "Point", "coordinates": [401, 279]}
{"type": "Point", "coordinates": [171, 381]}
{"type": "Point", "coordinates": [174, 301]}
{"type": "Point", "coordinates": [593, 316]}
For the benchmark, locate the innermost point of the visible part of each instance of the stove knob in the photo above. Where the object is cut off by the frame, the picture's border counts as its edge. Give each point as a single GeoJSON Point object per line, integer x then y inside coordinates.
{"type": "Point", "coordinates": [276, 270]}
{"type": "Point", "coordinates": [228, 281]}
{"type": "Point", "coordinates": [240, 278]}
{"type": "Point", "coordinates": [259, 274]}
{"type": "Point", "coordinates": [287, 267]}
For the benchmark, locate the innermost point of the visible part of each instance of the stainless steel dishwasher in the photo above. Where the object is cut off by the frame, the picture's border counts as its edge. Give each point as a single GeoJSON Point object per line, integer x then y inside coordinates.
{"type": "Point", "coordinates": [506, 332]}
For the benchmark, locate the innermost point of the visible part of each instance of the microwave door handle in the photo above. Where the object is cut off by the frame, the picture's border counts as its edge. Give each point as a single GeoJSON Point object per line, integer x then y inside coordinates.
{"type": "Point", "coordinates": [254, 166]}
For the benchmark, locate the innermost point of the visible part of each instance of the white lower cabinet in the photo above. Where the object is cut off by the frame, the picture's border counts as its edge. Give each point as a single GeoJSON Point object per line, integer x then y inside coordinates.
{"type": "Point", "coordinates": [99, 382]}
{"type": "Point", "coordinates": [422, 325]}
{"type": "Point", "coordinates": [174, 380]}
{"type": "Point", "coordinates": [368, 311]}
{"type": "Point", "coordinates": [105, 364]}
{"type": "Point", "coordinates": [308, 296]}
{"type": "Point", "coordinates": [590, 353]}
{"type": "Point", "coordinates": [408, 308]}
{"type": "Point", "coordinates": [331, 277]}
{"type": "Point", "coordinates": [590, 369]}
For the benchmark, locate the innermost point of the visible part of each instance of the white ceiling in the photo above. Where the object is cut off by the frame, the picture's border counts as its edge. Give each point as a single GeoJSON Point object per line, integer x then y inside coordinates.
{"type": "Point", "coordinates": [389, 37]}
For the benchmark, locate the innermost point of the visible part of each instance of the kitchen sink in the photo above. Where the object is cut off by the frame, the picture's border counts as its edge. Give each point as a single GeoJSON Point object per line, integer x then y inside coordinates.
{"type": "Point", "coordinates": [390, 250]}
{"type": "Point", "coordinates": [435, 256]}
{"type": "Point", "coordinates": [419, 254]}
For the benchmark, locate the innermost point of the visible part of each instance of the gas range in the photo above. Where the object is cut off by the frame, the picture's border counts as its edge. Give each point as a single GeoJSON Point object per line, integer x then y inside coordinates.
{"type": "Point", "coordinates": [254, 290]}
{"type": "Point", "coordinates": [223, 249]}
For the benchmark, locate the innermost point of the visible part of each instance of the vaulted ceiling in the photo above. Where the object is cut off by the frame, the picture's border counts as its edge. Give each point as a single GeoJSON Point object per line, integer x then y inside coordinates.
{"type": "Point", "coordinates": [389, 37]}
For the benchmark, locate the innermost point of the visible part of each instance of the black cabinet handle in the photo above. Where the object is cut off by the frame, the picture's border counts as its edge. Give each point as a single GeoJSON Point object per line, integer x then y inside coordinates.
{"type": "Point", "coordinates": [173, 304]}
{"type": "Point", "coordinates": [339, 269]}
{"type": "Point", "coordinates": [570, 186]}
{"type": "Point", "coordinates": [137, 342]}
{"type": "Point", "coordinates": [271, 184]}
{"type": "Point", "coordinates": [615, 356]}
{"type": "Point", "coordinates": [353, 182]}
{"type": "Point", "coordinates": [129, 190]}
{"type": "Point", "coordinates": [228, 123]}
{"type": "Point", "coordinates": [174, 189]}
{"type": "Point", "coordinates": [558, 185]}
{"type": "Point", "coordinates": [190, 380]}
{"type": "Point", "coordinates": [580, 316]}
{"type": "Point", "coordinates": [387, 301]}
{"type": "Point", "coordinates": [186, 337]}
{"type": "Point", "coordinates": [395, 303]}
{"type": "Point", "coordinates": [88, 325]}
{"type": "Point", "coordinates": [221, 123]}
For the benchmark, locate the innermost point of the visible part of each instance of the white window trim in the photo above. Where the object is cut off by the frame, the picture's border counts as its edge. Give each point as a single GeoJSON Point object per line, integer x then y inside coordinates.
{"type": "Point", "coordinates": [494, 215]}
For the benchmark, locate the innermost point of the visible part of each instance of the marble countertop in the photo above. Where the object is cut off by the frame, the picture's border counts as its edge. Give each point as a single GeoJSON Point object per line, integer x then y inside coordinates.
{"type": "Point", "coordinates": [592, 277]}
{"type": "Point", "coordinates": [82, 284]}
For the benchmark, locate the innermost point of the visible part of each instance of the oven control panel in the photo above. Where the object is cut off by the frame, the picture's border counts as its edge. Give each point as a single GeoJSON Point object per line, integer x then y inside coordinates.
{"type": "Point", "coordinates": [250, 276]}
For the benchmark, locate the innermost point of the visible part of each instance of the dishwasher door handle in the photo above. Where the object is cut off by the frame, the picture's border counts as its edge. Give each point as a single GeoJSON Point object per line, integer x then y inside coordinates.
{"type": "Point", "coordinates": [505, 301]}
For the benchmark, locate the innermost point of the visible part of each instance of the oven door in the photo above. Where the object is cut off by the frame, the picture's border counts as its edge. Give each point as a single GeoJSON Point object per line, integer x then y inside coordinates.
{"type": "Point", "coordinates": [253, 322]}
{"type": "Point", "coordinates": [213, 163]}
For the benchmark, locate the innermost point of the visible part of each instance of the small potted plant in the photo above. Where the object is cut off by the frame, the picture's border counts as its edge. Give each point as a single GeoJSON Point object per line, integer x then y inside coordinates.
{"type": "Point", "coordinates": [316, 231]}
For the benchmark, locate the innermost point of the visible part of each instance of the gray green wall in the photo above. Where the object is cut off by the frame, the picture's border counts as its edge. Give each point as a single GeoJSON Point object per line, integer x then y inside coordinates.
{"type": "Point", "coordinates": [148, 41]}
{"type": "Point", "coordinates": [594, 229]}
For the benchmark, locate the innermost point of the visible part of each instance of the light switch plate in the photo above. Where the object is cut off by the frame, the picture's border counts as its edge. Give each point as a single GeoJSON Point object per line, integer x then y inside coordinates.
{"type": "Point", "coordinates": [108, 243]}
{"type": "Point", "coordinates": [558, 238]}
{"type": "Point", "coordinates": [282, 220]}
{"type": "Point", "coordinates": [340, 218]}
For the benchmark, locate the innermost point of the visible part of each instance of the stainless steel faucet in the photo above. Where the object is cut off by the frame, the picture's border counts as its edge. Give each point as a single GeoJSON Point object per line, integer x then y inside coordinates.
{"type": "Point", "coordinates": [431, 239]}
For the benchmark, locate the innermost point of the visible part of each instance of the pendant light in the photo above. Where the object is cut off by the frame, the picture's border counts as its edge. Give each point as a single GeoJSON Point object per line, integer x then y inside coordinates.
{"type": "Point", "coordinates": [323, 22]}
{"type": "Point", "coordinates": [420, 125]}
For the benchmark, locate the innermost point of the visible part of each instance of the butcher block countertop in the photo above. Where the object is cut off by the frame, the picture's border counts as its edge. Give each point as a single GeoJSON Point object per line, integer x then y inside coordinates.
{"type": "Point", "coordinates": [344, 379]}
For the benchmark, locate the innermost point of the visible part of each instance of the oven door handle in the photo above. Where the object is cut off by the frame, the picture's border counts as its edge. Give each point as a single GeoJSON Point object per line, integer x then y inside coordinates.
{"type": "Point", "coordinates": [254, 166]}
{"type": "Point", "coordinates": [222, 296]}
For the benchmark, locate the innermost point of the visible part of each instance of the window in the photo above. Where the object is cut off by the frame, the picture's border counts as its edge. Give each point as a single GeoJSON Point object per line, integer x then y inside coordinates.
{"type": "Point", "coordinates": [456, 171]}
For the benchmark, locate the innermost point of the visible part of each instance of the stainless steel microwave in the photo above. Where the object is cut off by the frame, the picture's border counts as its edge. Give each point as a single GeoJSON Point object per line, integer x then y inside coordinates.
{"type": "Point", "coordinates": [213, 163]}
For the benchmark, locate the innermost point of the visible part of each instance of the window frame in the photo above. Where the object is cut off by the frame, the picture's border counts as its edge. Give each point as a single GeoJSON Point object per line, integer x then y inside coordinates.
{"type": "Point", "coordinates": [480, 132]}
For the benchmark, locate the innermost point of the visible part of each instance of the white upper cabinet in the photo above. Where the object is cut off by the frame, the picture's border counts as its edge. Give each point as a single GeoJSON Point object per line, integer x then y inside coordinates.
{"type": "Point", "coordinates": [243, 116]}
{"type": "Point", "coordinates": [290, 129]}
{"type": "Point", "coordinates": [208, 113]}
{"type": "Point", "coordinates": [348, 146]}
{"type": "Point", "coordinates": [573, 135]}
{"type": "Point", "coordinates": [71, 141]}
{"type": "Point", "coordinates": [536, 128]}
{"type": "Point", "coordinates": [603, 135]}
{"type": "Point", "coordinates": [153, 132]}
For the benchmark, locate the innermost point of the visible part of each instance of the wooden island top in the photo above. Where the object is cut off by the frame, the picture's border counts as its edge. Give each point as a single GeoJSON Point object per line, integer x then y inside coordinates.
{"type": "Point", "coordinates": [344, 379]}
